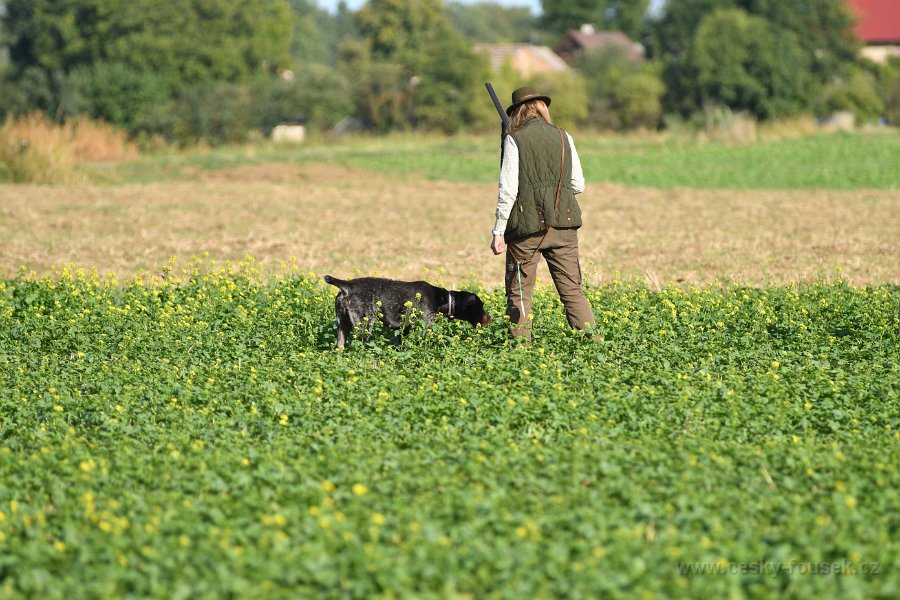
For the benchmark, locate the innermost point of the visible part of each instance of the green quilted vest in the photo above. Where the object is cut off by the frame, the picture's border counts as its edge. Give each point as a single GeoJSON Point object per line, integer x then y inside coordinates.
{"type": "Point", "coordinates": [540, 148]}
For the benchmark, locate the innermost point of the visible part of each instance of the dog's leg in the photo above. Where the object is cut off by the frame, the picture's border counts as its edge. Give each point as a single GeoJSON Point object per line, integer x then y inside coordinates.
{"type": "Point", "coordinates": [344, 324]}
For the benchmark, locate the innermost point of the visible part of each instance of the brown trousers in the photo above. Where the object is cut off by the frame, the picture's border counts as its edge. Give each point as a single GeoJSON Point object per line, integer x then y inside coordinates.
{"type": "Point", "coordinates": [559, 247]}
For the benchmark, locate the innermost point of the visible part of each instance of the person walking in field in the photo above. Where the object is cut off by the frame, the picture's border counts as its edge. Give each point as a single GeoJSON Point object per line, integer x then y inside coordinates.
{"type": "Point", "coordinates": [537, 212]}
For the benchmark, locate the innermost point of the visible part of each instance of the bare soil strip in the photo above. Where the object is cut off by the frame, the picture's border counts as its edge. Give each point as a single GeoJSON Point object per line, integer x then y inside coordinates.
{"type": "Point", "coordinates": [350, 222]}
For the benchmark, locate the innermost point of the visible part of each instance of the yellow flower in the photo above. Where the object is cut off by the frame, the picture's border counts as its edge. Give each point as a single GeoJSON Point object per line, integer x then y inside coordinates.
{"type": "Point", "coordinates": [359, 489]}
{"type": "Point", "coordinates": [327, 486]}
{"type": "Point", "coordinates": [378, 518]}
{"type": "Point", "coordinates": [59, 546]}
{"type": "Point", "coordinates": [850, 501]}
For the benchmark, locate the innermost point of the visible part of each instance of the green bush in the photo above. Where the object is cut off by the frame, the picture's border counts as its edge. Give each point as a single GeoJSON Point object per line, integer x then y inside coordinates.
{"type": "Point", "coordinates": [638, 100]}
{"type": "Point", "coordinates": [892, 106]}
{"type": "Point", "coordinates": [382, 91]}
{"type": "Point", "coordinates": [216, 112]}
{"type": "Point", "coordinates": [38, 89]}
{"type": "Point", "coordinates": [569, 93]}
{"type": "Point", "coordinates": [888, 81]}
{"type": "Point", "coordinates": [857, 93]}
{"type": "Point", "coordinates": [623, 93]}
{"type": "Point", "coordinates": [316, 95]}
{"type": "Point", "coordinates": [121, 95]}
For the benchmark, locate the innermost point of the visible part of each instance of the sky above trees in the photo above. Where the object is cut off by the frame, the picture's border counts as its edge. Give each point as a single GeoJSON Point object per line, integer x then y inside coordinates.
{"type": "Point", "coordinates": [533, 5]}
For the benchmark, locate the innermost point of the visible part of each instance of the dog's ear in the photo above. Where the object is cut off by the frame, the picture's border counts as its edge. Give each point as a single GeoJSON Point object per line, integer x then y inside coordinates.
{"type": "Point", "coordinates": [473, 308]}
{"type": "Point", "coordinates": [471, 299]}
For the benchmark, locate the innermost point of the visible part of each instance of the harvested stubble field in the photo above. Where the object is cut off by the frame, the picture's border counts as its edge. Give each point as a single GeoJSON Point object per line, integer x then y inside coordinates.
{"type": "Point", "coordinates": [357, 221]}
{"type": "Point", "coordinates": [188, 430]}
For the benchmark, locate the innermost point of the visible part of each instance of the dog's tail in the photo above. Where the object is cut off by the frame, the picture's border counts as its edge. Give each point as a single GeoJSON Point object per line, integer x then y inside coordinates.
{"type": "Point", "coordinates": [339, 283]}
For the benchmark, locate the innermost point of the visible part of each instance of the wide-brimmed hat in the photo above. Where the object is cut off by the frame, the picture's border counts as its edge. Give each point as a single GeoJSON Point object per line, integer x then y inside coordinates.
{"type": "Point", "coordinates": [525, 94]}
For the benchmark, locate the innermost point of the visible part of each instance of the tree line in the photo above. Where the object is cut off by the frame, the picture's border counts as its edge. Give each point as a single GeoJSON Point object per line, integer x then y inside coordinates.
{"type": "Point", "coordinates": [225, 70]}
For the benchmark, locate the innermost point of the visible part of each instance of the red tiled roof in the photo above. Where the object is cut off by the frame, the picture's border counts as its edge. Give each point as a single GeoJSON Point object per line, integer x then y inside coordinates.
{"type": "Point", "coordinates": [599, 39]}
{"type": "Point", "coordinates": [879, 20]}
{"type": "Point", "coordinates": [587, 38]}
{"type": "Point", "coordinates": [523, 57]}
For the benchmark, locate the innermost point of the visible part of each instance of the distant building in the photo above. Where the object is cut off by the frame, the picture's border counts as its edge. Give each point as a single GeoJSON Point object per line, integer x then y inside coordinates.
{"type": "Point", "coordinates": [587, 38]}
{"type": "Point", "coordinates": [525, 59]}
{"type": "Point", "coordinates": [878, 27]}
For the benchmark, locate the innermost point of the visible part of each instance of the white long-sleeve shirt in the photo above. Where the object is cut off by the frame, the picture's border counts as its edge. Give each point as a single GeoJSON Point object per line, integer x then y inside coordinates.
{"type": "Point", "coordinates": [509, 180]}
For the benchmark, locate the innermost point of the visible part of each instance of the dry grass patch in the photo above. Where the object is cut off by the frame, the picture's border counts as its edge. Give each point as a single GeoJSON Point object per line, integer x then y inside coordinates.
{"type": "Point", "coordinates": [349, 222]}
{"type": "Point", "coordinates": [33, 149]}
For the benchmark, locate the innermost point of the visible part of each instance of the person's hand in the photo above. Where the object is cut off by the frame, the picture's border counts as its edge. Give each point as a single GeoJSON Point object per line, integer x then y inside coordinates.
{"type": "Point", "coordinates": [497, 244]}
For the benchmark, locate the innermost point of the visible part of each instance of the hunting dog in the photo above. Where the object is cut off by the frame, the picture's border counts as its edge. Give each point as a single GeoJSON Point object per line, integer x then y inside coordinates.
{"type": "Point", "coordinates": [392, 301]}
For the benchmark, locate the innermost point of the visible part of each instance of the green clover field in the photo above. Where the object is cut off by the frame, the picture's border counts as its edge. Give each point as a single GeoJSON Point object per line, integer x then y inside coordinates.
{"type": "Point", "coordinates": [198, 436]}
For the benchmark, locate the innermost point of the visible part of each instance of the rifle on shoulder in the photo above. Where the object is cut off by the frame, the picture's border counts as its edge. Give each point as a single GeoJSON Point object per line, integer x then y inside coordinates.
{"type": "Point", "coordinates": [504, 118]}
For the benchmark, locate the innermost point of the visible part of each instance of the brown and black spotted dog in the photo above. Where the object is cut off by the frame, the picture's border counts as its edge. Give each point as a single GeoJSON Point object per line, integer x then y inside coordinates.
{"type": "Point", "coordinates": [387, 299]}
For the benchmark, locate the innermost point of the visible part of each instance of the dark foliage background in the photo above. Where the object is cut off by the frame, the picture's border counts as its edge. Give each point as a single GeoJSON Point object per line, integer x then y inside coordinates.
{"type": "Point", "coordinates": [225, 70]}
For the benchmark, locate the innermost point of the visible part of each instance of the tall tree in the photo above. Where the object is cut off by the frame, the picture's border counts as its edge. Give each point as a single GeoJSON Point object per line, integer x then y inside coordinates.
{"type": "Point", "coordinates": [490, 22]}
{"type": "Point", "coordinates": [814, 33]}
{"type": "Point", "coordinates": [188, 41]}
{"type": "Point", "coordinates": [823, 28]}
{"type": "Point", "coordinates": [622, 15]}
{"type": "Point", "coordinates": [317, 33]}
{"type": "Point", "coordinates": [432, 68]}
{"type": "Point", "coordinates": [744, 63]}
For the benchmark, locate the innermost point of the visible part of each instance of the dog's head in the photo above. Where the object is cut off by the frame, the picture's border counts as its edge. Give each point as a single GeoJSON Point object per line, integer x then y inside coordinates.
{"type": "Point", "coordinates": [469, 307]}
